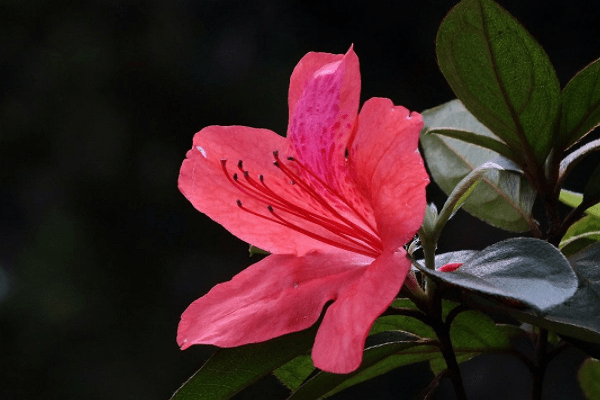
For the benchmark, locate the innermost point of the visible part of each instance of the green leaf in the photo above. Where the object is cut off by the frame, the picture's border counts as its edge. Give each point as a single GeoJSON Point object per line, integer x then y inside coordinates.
{"type": "Point", "coordinates": [503, 198]}
{"type": "Point", "coordinates": [528, 270]}
{"type": "Point", "coordinates": [574, 199]}
{"type": "Point", "coordinates": [230, 370]}
{"type": "Point", "coordinates": [582, 311]}
{"type": "Point", "coordinates": [581, 105]}
{"type": "Point", "coordinates": [501, 75]}
{"type": "Point", "coordinates": [379, 347]}
{"type": "Point", "coordinates": [581, 234]}
{"type": "Point", "coordinates": [589, 378]}
{"type": "Point", "coordinates": [486, 142]}
{"type": "Point", "coordinates": [472, 333]}
{"type": "Point", "coordinates": [253, 250]}
{"type": "Point", "coordinates": [293, 373]}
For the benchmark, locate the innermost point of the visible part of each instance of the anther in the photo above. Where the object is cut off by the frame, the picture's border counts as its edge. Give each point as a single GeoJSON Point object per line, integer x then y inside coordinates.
{"type": "Point", "coordinates": [235, 178]}
{"type": "Point", "coordinates": [246, 174]}
{"type": "Point", "coordinates": [270, 208]}
{"type": "Point", "coordinates": [223, 161]}
{"type": "Point", "coordinates": [240, 165]}
{"type": "Point", "coordinates": [261, 178]}
{"type": "Point", "coordinates": [291, 159]}
{"type": "Point", "coordinates": [239, 203]}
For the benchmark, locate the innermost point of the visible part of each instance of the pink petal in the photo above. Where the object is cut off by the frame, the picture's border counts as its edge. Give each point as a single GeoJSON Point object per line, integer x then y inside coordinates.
{"type": "Point", "coordinates": [385, 159]}
{"type": "Point", "coordinates": [278, 295]}
{"type": "Point", "coordinates": [341, 337]}
{"type": "Point", "coordinates": [303, 73]}
{"type": "Point", "coordinates": [323, 117]}
{"type": "Point", "coordinates": [203, 181]}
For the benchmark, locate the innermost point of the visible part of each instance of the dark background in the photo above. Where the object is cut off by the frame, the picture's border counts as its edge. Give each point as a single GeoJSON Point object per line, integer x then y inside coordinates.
{"type": "Point", "coordinates": [99, 101]}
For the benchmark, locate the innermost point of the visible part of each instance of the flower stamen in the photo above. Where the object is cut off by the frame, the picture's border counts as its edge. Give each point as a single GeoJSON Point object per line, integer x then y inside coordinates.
{"type": "Point", "coordinates": [353, 237]}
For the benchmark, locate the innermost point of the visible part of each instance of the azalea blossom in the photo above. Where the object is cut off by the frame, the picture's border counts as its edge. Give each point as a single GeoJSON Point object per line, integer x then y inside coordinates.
{"type": "Point", "coordinates": [334, 203]}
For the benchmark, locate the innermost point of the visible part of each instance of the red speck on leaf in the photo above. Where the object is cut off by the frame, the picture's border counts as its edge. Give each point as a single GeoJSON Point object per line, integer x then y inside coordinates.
{"type": "Point", "coordinates": [450, 267]}
{"type": "Point", "coordinates": [335, 221]}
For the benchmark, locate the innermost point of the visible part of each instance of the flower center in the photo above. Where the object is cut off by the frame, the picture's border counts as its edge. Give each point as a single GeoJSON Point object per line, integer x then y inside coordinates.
{"type": "Point", "coordinates": [347, 234]}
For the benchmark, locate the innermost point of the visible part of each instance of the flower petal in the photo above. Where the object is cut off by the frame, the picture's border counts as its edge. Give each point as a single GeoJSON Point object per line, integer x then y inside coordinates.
{"type": "Point", "coordinates": [385, 159]}
{"type": "Point", "coordinates": [341, 337]}
{"type": "Point", "coordinates": [278, 295]}
{"type": "Point", "coordinates": [323, 117]}
{"type": "Point", "coordinates": [304, 72]}
{"type": "Point", "coordinates": [205, 184]}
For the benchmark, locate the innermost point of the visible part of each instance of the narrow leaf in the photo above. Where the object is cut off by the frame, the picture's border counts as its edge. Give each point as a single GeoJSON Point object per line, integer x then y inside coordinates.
{"type": "Point", "coordinates": [581, 105]}
{"type": "Point", "coordinates": [465, 188]}
{"type": "Point", "coordinates": [524, 269]}
{"type": "Point", "coordinates": [479, 140]}
{"type": "Point", "coordinates": [503, 198]}
{"type": "Point", "coordinates": [293, 373]}
{"type": "Point", "coordinates": [589, 378]}
{"type": "Point", "coordinates": [581, 234]}
{"type": "Point", "coordinates": [472, 333]}
{"type": "Point", "coordinates": [501, 75]}
{"type": "Point", "coordinates": [230, 370]}
{"type": "Point", "coordinates": [379, 347]}
{"type": "Point", "coordinates": [574, 199]}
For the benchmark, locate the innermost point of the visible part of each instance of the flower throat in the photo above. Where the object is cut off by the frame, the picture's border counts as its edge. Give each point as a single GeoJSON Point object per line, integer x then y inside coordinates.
{"type": "Point", "coordinates": [348, 235]}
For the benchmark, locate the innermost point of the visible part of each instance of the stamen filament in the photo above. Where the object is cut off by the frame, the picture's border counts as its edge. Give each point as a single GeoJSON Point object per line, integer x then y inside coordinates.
{"type": "Point", "coordinates": [332, 190]}
{"type": "Point", "coordinates": [323, 239]}
{"type": "Point", "coordinates": [255, 191]}
{"type": "Point", "coordinates": [357, 239]}
{"type": "Point", "coordinates": [367, 235]}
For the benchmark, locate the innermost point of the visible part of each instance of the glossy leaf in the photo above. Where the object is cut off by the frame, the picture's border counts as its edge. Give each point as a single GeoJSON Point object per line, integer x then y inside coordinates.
{"type": "Point", "coordinates": [583, 309]}
{"type": "Point", "coordinates": [230, 370]}
{"type": "Point", "coordinates": [502, 75]}
{"type": "Point", "coordinates": [574, 199]}
{"type": "Point", "coordinates": [579, 316]}
{"type": "Point", "coordinates": [524, 269]}
{"type": "Point", "coordinates": [581, 234]}
{"type": "Point", "coordinates": [503, 198]}
{"type": "Point", "coordinates": [589, 378]}
{"type": "Point", "coordinates": [581, 105]}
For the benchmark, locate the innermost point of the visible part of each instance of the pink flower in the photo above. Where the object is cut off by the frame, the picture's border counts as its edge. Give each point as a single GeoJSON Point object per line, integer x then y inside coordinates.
{"type": "Point", "coordinates": [334, 203]}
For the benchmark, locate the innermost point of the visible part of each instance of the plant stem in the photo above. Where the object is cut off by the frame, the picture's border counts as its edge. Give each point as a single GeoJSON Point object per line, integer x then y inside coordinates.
{"type": "Point", "coordinates": [442, 331]}
{"type": "Point", "coordinates": [540, 364]}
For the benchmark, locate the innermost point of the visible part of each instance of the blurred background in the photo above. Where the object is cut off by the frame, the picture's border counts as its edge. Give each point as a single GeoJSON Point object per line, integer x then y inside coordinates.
{"type": "Point", "coordinates": [99, 101]}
